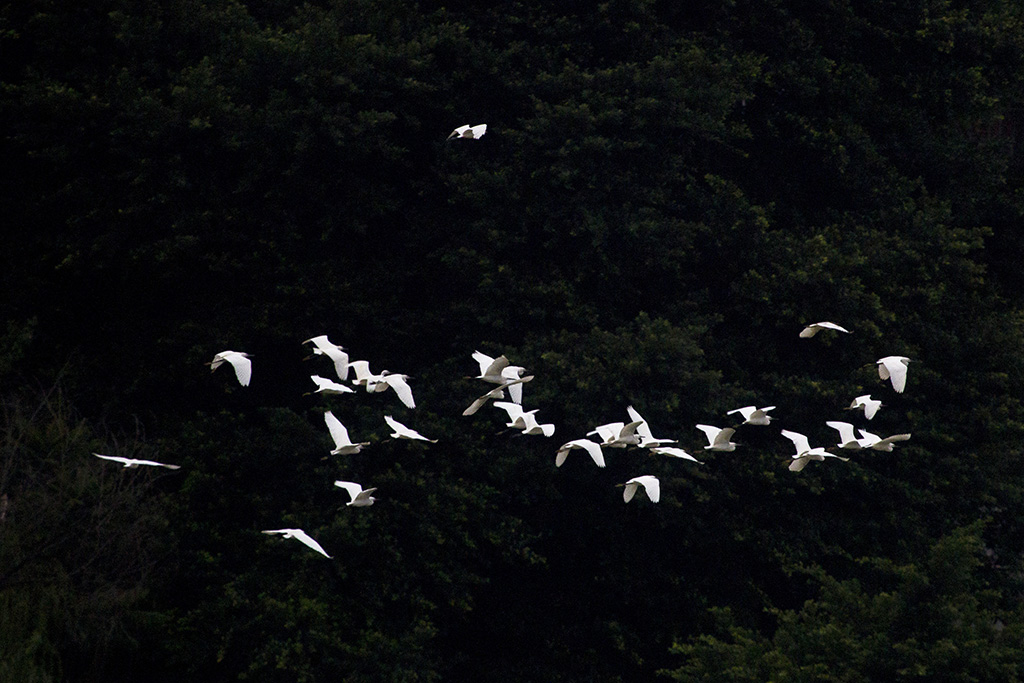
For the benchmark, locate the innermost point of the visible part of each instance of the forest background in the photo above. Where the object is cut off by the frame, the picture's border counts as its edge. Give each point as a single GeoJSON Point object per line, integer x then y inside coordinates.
{"type": "Point", "coordinates": [666, 193]}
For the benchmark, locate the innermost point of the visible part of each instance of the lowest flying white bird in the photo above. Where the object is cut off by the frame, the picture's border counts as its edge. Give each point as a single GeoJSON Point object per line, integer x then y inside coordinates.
{"type": "Point", "coordinates": [359, 497]}
{"type": "Point", "coordinates": [132, 462]}
{"type": "Point", "coordinates": [239, 361]}
{"type": "Point", "coordinates": [301, 536]}
{"type": "Point", "coordinates": [342, 443]}
{"type": "Point", "coordinates": [650, 483]}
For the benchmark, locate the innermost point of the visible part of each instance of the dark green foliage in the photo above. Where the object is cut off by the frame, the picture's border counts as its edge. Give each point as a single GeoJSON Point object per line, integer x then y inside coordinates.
{"type": "Point", "coordinates": [939, 620]}
{"type": "Point", "coordinates": [666, 194]}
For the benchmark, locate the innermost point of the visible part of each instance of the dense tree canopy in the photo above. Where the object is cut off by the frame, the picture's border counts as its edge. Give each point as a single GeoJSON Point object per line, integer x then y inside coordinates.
{"type": "Point", "coordinates": [665, 195]}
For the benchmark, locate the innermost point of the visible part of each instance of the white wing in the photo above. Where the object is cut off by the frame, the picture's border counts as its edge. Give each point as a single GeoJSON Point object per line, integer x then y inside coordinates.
{"type": "Point", "coordinates": [814, 328]}
{"type": "Point", "coordinates": [353, 488]}
{"type": "Point", "coordinates": [131, 462]}
{"type": "Point", "coordinates": [302, 536]}
{"type": "Point", "coordinates": [745, 411]}
{"type": "Point", "coordinates": [607, 432]}
{"type": "Point", "coordinates": [403, 432]}
{"type": "Point", "coordinates": [629, 491]}
{"type": "Point", "coordinates": [651, 485]}
{"type": "Point", "coordinates": [710, 432]}
{"type": "Point", "coordinates": [239, 361]}
{"type": "Point", "coordinates": [591, 447]}
{"type": "Point", "coordinates": [299, 535]}
{"type": "Point", "coordinates": [846, 435]}
{"type": "Point", "coordinates": [513, 376]}
{"type": "Point", "coordinates": [515, 387]}
{"type": "Point", "coordinates": [479, 402]}
{"type": "Point", "coordinates": [514, 410]}
{"type": "Point", "coordinates": [338, 431]}
{"type": "Point", "coordinates": [674, 452]}
{"type": "Point", "coordinates": [490, 368]}
{"type": "Point", "coordinates": [361, 368]}
{"type": "Point", "coordinates": [799, 440]}
{"type": "Point", "coordinates": [154, 463]}
{"type": "Point", "coordinates": [402, 388]}
{"type": "Point", "coordinates": [329, 386]}
{"type": "Point", "coordinates": [894, 368]}
{"type": "Point", "coordinates": [594, 449]}
{"type": "Point", "coordinates": [242, 366]}
{"type": "Point", "coordinates": [124, 461]}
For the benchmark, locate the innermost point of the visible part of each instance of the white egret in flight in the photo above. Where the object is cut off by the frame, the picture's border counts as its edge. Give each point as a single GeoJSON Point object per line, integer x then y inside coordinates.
{"type": "Point", "coordinates": [403, 432]}
{"type": "Point", "coordinates": [875, 442]}
{"type": "Point", "coordinates": [650, 483]}
{"type": "Point", "coordinates": [239, 361]}
{"type": "Point", "coordinates": [591, 447]}
{"type": "Point", "coordinates": [869, 405]}
{"type": "Point", "coordinates": [525, 420]}
{"type": "Point", "coordinates": [342, 443]}
{"type": "Point", "coordinates": [498, 371]}
{"type": "Point", "coordinates": [328, 386]}
{"type": "Point", "coordinates": [323, 347]}
{"type": "Point", "coordinates": [131, 462]}
{"type": "Point", "coordinates": [400, 385]}
{"type": "Point", "coordinates": [299, 535]}
{"type": "Point", "coordinates": [498, 392]}
{"type": "Point", "coordinates": [365, 378]}
{"type": "Point", "coordinates": [479, 402]}
{"type": "Point", "coordinates": [814, 328]}
{"type": "Point", "coordinates": [674, 452]}
{"type": "Point", "coordinates": [804, 453]}
{"type": "Point", "coordinates": [647, 439]}
{"type": "Point", "coordinates": [469, 132]}
{"type": "Point", "coordinates": [718, 439]}
{"type": "Point", "coordinates": [752, 415]}
{"type": "Point", "coordinates": [359, 496]}
{"type": "Point", "coordinates": [617, 434]}
{"type": "Point", "coordinates": [894, 368]}
{"type": "Point", "coordinates": [847, 439]}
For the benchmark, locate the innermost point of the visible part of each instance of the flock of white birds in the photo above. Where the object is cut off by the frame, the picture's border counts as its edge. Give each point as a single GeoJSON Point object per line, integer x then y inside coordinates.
{"type": "Point", "coordinates": [511, 379]}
